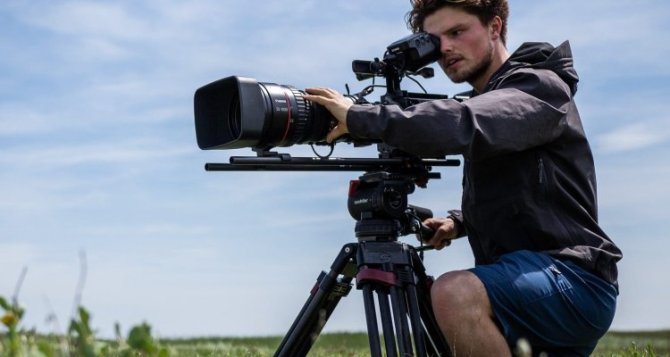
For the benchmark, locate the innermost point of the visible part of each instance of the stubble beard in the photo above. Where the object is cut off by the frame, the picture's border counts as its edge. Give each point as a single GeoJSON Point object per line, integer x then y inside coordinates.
{"type": "Point", "coordinates": [473, 73]}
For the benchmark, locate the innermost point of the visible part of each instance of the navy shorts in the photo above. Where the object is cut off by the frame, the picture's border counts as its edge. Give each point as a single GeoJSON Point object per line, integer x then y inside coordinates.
{"type": "Point", "coordinates": [558, 307]}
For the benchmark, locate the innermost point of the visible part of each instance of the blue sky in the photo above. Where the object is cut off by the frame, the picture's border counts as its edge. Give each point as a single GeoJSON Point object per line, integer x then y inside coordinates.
{"type": "Point", "coordinates": [98, 154]}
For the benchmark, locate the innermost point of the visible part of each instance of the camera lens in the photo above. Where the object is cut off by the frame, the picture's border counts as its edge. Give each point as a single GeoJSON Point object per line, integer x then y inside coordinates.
{"type": "Point", "coordinates": [234, 115]}
{"type": "Point", "coordinates": [291, 119]}
{"type": "Point", "coordinates": [238, 112]}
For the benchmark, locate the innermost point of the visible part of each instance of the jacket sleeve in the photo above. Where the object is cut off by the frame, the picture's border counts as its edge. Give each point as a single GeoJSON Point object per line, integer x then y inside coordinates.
{"type": "Point", "coordinates": [457, 216]}
{"type": "Point", "coordinates": [528, 108]}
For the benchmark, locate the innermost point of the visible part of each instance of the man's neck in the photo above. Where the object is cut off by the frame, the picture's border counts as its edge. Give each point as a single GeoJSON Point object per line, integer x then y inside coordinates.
{"type": "Point", "coordinates": [500, 56]}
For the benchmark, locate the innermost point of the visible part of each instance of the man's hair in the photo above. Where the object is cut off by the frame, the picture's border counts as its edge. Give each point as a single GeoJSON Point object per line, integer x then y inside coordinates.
{"type": "Point", "coordinates": [485, 10]}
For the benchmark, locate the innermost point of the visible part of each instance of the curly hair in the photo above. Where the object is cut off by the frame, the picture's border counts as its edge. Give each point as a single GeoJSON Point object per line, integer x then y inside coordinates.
{"type": "Point", "coordinates": [485, 10]}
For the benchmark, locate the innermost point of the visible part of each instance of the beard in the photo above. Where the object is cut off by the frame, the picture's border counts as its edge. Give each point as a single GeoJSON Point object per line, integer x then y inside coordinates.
{"type": "Point", "coordinates": [471, 73]}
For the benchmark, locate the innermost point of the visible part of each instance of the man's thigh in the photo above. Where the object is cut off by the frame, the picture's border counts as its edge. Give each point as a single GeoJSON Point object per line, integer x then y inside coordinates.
{"type": "Point", "coordinates": [555, 305]}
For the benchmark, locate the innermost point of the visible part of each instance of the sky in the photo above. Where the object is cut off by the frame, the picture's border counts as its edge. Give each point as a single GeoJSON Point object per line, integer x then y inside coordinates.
{"type": "Point", "coordinates": [102, 182]}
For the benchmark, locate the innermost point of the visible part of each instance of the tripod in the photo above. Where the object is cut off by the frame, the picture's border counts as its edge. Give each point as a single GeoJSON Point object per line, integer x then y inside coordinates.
{"type": "Point", "coordinates": [382, 266]}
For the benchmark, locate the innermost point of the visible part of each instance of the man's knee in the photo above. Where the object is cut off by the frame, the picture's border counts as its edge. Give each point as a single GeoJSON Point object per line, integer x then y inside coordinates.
{"type": "Point", "coordinates": [459, 291]}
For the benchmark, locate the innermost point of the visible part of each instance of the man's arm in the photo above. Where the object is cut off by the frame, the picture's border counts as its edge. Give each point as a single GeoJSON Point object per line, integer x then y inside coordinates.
{"type": "Point", "coordinates": [528, 109]}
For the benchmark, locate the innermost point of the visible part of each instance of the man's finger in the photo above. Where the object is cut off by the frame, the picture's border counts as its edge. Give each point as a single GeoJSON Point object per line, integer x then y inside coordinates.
{"type": "Point", "coordinates": [334, 134]}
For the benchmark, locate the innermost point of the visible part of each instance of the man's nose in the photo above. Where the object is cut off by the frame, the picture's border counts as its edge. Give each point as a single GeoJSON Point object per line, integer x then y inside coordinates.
{"type": "Point", "coordinates": [445, 45]}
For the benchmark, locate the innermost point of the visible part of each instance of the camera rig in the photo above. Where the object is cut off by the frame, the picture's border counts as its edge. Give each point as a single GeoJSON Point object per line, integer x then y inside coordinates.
{"type": "Point", "coordinates": [250, 116]}
{"type": "Point", "coordinates": [392, 175]}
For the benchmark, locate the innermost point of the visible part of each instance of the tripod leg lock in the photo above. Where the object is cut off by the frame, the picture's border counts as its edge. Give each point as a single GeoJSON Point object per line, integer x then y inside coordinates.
{"type": "Point", "coordinates": [370, 275]}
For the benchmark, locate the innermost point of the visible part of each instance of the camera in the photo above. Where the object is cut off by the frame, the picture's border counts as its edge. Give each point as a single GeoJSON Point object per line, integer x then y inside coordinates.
{"type": "Point", "coordinates": [239, 112]}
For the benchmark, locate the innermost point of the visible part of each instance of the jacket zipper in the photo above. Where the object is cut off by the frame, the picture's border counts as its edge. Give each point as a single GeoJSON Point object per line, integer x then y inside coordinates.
{"type": "Point", "coordinates": [540, 167]}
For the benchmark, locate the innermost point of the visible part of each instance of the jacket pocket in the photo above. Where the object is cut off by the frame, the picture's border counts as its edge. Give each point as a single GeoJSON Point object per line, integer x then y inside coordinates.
{"type": "Point", "coordinates": [542, 181]}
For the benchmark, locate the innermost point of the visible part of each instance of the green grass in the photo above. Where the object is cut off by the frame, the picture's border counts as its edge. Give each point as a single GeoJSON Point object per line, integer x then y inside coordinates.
{"type": "Point", "coordinates": [330, 344]}
{"type": "Point", "coordinates": [344, 344]}
{"type": "Point", "coordinates": [637, 344]}
{"type": "Point", "coordinates": [614, 344]}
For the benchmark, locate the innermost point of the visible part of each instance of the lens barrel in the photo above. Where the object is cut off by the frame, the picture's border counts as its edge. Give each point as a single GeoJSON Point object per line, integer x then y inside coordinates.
{"type": "Point", "coordinates": [238, 112]}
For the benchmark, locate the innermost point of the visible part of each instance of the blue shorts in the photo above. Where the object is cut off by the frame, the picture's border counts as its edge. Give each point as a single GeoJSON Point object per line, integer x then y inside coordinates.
{"type": "Point", "coordinates": [555, 305]}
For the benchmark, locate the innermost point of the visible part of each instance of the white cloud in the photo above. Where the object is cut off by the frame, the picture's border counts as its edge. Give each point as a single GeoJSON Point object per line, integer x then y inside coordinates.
{"type": "Point", "coordinates": [57, 157]}
{"type": "Point", "coordinates": [618, 41]}
{"type": "Point", "coordinates": [19, 120]}
{"type": "Point", "coordinates": [106, 19]}
{"type": "Point", "coordinates": [631, 137]}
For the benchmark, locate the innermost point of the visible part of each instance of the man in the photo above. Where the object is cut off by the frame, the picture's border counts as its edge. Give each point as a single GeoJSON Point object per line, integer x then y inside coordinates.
{"type": "Point", "coordinates": [544, 269]}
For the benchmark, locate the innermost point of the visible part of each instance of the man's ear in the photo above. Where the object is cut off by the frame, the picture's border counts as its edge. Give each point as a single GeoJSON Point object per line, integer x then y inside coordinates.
{"type": "Point", "coordinates": [495, 27]}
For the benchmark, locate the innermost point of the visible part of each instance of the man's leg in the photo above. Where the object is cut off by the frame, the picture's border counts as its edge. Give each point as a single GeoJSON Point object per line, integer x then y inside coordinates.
{"type": "Point", "coordinates": [463, 311]}
{"type": "Point", "coordinates": [555, 305]}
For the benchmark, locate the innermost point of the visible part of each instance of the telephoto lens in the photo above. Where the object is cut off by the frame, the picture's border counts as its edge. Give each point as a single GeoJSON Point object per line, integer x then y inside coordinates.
{"type": "Point", "coordinates": [238, 112]}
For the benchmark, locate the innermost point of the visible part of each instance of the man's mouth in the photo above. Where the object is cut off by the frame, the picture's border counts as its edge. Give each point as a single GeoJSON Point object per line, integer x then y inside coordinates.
{"type": "Point", "coordinates": [449, 62]}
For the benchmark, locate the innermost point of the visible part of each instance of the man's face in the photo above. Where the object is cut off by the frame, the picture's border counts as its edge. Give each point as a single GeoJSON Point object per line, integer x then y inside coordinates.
{"type": "Point", "coordinates": [466, 44]}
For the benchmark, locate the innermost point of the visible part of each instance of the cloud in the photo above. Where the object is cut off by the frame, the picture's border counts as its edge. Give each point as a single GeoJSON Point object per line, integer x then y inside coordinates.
{"type": "Point", "coordinates": [635, 122]}
{"type": "Point", "coordinates": [104, 19]}
{"type": "Point", "coordinates": [19, 120]}
{"type": "Point", "coordinates": [58, 157]}
{"type": "Point", "coordinates": [616, 42]}
{"type": "Point", "coordinates": [632, 137]}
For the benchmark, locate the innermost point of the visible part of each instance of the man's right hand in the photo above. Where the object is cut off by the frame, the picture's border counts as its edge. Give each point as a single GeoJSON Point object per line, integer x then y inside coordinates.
{"type": "Point", "coordinates": [445, 231]}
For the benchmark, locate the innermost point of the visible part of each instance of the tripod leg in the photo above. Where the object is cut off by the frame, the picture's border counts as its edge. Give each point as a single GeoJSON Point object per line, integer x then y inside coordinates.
{"type": "Point", "coordinates": [415, 318]}
{"type": "Point", "coordinates": [435, 343]}
{"type": "Point", "coordinates": [317, 309]}
{"type": "Point", "coordinates": [371, 320]}
{"type": "Point", "coordinates": [400, 316]}
{"type": "Point", "coordinates": [385, 311]}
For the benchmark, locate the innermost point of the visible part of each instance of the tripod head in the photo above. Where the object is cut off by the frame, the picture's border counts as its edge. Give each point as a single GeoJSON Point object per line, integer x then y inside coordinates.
{"type": "Point", "coordinates": [378, 202]}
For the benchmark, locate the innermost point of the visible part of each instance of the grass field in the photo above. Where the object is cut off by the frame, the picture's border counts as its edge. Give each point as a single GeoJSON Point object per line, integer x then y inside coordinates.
{"type": "Point", "coordinates": [15, 341]}
{"type": "Point", "coordinates": [614, 344]}
{"type": "Point", "coordinates": [634, 344]}
{"type": "Point", "coordinates": [649, 343]}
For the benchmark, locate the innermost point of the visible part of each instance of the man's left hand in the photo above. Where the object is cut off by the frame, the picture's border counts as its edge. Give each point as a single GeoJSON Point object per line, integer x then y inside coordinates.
{"type": "Point", "coordinates": [337, 105]}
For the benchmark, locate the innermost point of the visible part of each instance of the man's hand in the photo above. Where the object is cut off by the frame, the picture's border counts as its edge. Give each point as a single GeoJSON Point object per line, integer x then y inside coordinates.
{"type": "Point", "coordinates": [336, 103]}
{"type": "Point", "coordinates": [445, 230]}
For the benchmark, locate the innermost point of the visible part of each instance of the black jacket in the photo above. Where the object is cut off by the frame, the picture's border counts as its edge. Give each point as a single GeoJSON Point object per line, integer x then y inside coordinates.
{"type": "Point", "coordinates": [529, 179]}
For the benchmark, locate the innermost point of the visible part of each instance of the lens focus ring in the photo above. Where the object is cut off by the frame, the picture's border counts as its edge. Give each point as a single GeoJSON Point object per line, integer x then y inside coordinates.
{"type": "Point", "coordinates": [302, 116]}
